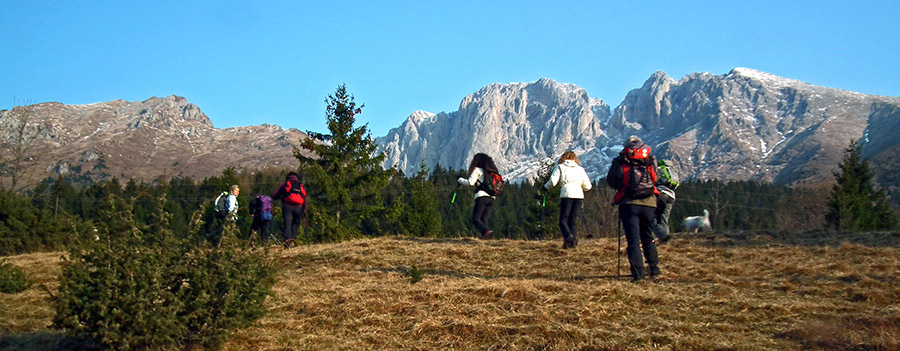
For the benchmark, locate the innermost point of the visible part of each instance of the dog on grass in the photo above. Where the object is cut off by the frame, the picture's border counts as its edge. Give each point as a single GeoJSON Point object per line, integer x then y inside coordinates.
{"type": "Point", "coordinates": [697, 223]}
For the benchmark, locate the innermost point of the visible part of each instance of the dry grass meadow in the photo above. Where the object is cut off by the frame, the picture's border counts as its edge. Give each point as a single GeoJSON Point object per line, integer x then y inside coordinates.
{"type": "Point", "coordinates": [734, 291]}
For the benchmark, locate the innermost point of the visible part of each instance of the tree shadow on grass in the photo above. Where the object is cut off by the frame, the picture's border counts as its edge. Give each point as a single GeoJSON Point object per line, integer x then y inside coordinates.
{"type": "Point", "coordinates": [40, 340]}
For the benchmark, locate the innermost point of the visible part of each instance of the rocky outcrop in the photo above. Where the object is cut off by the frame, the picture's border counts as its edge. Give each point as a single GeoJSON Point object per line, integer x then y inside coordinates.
{"type": "Point", "coordinates": [520, 125]}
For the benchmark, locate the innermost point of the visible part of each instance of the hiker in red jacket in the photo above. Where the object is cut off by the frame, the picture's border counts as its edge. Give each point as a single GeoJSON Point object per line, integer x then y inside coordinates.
{"type": "Point", "coordinates": [633, 175]}
{"type": "Point", "coordinates": [293, 206]}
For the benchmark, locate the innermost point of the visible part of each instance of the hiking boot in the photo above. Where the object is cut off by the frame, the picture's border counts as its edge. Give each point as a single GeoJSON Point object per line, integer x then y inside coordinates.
{"type": "Point", "coordinates": [289, 243]}
{"type": "Point", "coordinates": [487, 235]}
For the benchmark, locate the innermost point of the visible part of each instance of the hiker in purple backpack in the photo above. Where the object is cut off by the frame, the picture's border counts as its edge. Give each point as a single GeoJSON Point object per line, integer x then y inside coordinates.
{"type": "Point", "coordinates": [261, 211]}
{"type": "Point", "coordinates": [478, 174]}
{"type": "Point", "coordinates": [293, 206]}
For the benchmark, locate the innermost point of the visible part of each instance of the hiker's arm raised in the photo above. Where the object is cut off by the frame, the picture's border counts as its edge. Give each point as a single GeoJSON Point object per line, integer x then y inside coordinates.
{"type": "Point", "coordinates": [473, 178]}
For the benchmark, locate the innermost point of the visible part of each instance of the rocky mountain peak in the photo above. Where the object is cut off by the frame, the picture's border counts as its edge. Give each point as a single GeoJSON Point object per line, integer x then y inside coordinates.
{"type": "Point", "coordinates": [742, 125]}
{"type": "Point", "coordinates": [511, 122]}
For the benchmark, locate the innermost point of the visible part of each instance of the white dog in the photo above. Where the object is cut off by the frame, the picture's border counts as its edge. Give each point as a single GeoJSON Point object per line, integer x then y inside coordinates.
{"type": "Point", "coordinates": [697, 223]}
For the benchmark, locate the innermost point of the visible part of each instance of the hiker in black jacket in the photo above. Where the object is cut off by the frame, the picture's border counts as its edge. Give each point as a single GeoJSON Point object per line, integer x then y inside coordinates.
{"type": "Point", "coordinates": [633, 175]}
{"type": "Point", "coordinates": [293, 206]}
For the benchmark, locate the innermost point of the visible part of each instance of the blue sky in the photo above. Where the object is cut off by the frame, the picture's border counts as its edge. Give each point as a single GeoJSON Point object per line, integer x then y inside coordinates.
{"type": "Point", "coordinates": [277, 61]}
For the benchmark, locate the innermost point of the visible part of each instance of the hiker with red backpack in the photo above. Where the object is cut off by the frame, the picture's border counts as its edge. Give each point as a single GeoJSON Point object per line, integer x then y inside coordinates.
{"type": "Point", "coordinates": [633, 175]}
{"type": "Point", "coordinates": [573, 181]}
{"type": "Point", "coordinates": [293, 206]}
{"type": "Point", "coordinates": [486, 179]}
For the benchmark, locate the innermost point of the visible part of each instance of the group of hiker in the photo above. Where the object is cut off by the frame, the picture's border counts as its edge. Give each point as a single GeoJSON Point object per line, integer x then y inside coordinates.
{"type": "Point", "coordinates": [644, 194]}
{"type": "Point", "coordinates": [292, 194]}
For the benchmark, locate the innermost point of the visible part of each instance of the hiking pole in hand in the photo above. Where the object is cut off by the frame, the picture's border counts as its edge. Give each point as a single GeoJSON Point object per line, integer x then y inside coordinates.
{"type": "Point", "coordinates": [543, 204]}
{"type": "Point", "coordinates": [305, 231]}
{"type": "Point", "coordinates": [619, 241]}
{"type": "Point", "coordinates": [452, 200]}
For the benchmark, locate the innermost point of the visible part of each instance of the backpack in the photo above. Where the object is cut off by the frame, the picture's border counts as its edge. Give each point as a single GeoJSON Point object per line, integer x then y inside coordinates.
{"type": "Point", "coordinates": [265, 207]}
{"type": "Point", "coordinates": [221, 206]}
{"type": "Point", "coordinates": [636, 175]}
{"type": "Point", "coordinates": [494, 186]}
{"type": "Point", "coordinates": [294, 193]}
{"type": "Point", "coordinates": [639, 179]}
{"type": "Point", "coordinates": [667, 176]}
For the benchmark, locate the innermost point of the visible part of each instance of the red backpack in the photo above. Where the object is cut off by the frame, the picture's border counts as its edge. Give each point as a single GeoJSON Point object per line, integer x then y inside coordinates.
{"type": "Point", "coordinates": [493, 183]}
{"type": "Point", "coordinates": [296, 194]}
{"type": "Point", "coordinates": [638, 174]}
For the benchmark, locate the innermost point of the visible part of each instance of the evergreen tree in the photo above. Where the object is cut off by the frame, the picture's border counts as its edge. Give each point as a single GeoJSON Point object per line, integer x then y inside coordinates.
{"type": "Point", "coordinates": [347, 178]}
{"type": "Point", "coordinates": [543, 206]}
{"type": "Point", "coordinates": [140, 287]}
{"type": "Point", "coordinates": [855, 203]}
{"type": "Point", "coordinates": [422, 217]}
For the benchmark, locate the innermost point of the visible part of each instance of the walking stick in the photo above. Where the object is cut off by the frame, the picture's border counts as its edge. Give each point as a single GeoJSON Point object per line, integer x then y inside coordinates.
{"type": "Point", "coordinates": [452, 200]}
{"type": "Point", "coordinates": [305, 231]}
{"type": "Point", "coordinates": [543, 204]}
{"type": "Point", "coordinates": [619, 240]}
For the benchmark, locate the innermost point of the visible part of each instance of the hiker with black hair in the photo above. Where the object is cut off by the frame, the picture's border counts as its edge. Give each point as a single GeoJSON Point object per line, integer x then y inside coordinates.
{"type": "Point", "coordinates": [261, 212]}
{"type": "Point", "coordinates": [666, 183]}
{"type": "Point", "coordinates": [478, 176]}
{"type": "Point", "coordinates": [633, 175]}
{"type": "Point", "coordinates": [293, 206]}
{"type": "Point", "coordinates": [573, 181]}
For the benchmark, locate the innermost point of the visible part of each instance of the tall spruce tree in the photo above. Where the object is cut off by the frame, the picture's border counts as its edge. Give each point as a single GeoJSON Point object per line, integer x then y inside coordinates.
{"type": "Point", "coordinates": [856, 204]}
{"type": "Point", "coordinates": [346, 174]}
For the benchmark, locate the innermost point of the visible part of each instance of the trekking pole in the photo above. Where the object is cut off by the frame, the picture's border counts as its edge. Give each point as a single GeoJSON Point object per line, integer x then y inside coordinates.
{"type": "Point", "coordinates": [305, 227]}
{"type": "Point", "coordinates": [619, 241]}
{"type": "Point", "coordinates": [452, 200]}
{"type": "Point", "coordinates": [274, 238]}
{"type": "Point", "coordinates": [541, 222]}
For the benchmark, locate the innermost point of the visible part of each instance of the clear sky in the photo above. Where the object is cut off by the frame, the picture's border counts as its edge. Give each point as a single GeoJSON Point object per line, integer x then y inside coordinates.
{"type": "Point", "coordinates": [276, 62]}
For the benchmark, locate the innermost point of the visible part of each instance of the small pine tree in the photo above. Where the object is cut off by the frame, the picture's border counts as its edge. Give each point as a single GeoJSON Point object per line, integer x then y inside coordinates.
{"type": "Point", "coordinates": [855, 203]}
{"type": "Point", "coordinates": [543, 206]}
{"type": "Point", "coordinates": [141, 287]}
{"type": "Point", "coordinates": [422, 217]}
{"type": "Point", "coordinates": [12, 279]}
{"type": "Point", "coordinates": [347, 177]}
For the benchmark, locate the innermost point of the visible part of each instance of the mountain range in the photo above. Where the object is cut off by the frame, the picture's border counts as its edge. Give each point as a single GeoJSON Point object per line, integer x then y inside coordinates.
{"type": "Point", "coordinates": [142, 140]}
{"type": "Point", "coordinates": [743, 125]}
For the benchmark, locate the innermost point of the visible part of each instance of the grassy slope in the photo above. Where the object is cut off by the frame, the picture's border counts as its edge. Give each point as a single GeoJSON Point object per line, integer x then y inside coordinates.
{"type": "Point", "coordinates": [741, 291]}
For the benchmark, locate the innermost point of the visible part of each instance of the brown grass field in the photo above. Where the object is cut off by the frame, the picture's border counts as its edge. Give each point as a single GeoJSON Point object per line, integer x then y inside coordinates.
{"type": "Point", "coordinates": [720, 291]}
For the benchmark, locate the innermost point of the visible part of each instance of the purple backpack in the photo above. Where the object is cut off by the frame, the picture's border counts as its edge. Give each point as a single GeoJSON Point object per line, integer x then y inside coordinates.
{"type": "Point", "coordinates": [265, 207]}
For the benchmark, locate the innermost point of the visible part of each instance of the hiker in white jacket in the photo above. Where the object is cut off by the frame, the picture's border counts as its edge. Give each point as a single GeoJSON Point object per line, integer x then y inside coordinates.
{"type": "Point", "coordinates": [574, 182]}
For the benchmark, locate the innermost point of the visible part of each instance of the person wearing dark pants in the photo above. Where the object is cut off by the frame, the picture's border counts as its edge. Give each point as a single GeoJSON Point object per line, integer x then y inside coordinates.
{"type": "Point", "coordinates": [633, 175]}
{"type": "Point", "coordinates": [482, 213]}
{"type": "Point", "coordinates": [292, 194]}
{"type": "Point", "coordinates": [293, 216]}
{"type": "Point", "coordinates": [261, 211]}
{"type": "Point", "coordinates": [568, 213]}
{"type": "Point", "coordinates": [479, 176]}
{"type": "Point", "coordinates": [636, 223]}
{"type": "Point", "coordinates": [573, 181]}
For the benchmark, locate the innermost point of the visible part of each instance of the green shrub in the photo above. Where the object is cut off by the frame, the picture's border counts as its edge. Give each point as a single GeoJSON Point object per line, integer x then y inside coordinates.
{"type": "Point", "coordinates": [144, 288]}
{"type": "Point", "coordinates": [12, 279]}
